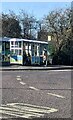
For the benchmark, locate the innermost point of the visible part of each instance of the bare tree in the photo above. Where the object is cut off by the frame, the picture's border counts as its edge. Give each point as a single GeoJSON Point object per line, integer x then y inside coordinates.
{"type": "Point", "coordinates": [28, 24]}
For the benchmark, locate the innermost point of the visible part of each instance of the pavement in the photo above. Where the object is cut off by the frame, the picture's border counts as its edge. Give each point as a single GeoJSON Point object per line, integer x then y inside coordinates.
{"type": "Point", "coordinates": [51, 67]}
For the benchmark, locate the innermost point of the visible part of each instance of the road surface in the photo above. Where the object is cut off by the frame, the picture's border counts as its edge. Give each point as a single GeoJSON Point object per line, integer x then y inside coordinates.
{"type": "Point", "coordinates": [36, 94]}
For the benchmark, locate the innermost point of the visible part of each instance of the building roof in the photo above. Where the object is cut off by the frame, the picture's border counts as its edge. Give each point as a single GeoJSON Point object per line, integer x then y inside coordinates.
{"type": "Point", "coordinates": [25, 40]}
{"type": "Point", "coordinates": [4, 39]}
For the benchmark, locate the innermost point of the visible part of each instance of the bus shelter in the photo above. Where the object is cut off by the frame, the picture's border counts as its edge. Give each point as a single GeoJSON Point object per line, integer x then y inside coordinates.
{"type": "Point", "coordinates": [24, 51]}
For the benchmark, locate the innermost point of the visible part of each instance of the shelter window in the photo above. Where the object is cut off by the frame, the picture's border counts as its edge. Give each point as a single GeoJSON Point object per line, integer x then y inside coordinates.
{"type": "Point", "coordinates": [16, 43]}
{"type": "Point", "coordinates": [12, 43]}
{"type": "Point", "coordinates": [20, 44]}
{"type": "Point", "coordinates": [16, 52]}
{"type": "Point", "coordinates": [29, 48]}
{"type": "Point", "coordinates": [3, 46]}
{"type": "Point", "coordinates": [12, 51]}
{"type": "Point", "coordinates": [7, 45]}
{"type": "Point", "coordinates": [19, 52]}
{"type": "Point", "coordinates": [35, 50]}
{"type": "Point", "coordinates": [32, 49]}
{"type": "Point", "coordinates": [26, 46]}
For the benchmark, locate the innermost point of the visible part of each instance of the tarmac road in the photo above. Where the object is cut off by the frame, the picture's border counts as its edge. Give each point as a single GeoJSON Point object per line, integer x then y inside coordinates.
{"type": "Point", "coordinates": [32, 94]}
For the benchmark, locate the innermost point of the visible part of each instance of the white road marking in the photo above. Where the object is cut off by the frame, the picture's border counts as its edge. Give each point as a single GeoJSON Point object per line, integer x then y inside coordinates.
{"type": "Point", "coordinates": [25, 110]}
{"type": "Point", "coordinates": [22, 83]}
{"type": "Point", "coordinates": [56, 95]}
{"type": "Point", "coordinates": [18, 78]}
{"type": "Point", "coordinates": [36, 106]}
{"type": "Point", "coordinates": [33, 88]}
{"type": "Point", "coordinates": [21, 111]}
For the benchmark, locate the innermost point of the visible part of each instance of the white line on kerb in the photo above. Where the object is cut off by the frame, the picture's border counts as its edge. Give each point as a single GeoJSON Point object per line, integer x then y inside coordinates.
{"type": "Point", "coordinates": [22, 83]}
{"type": "Point", "coordinates": [11, 104]}
{"type": "Point", "coordinates": [61, 70]}
{"type": "Point", "coordinates": [33, 88]}
{"type": "Point", "coordinates": [56, 95]}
